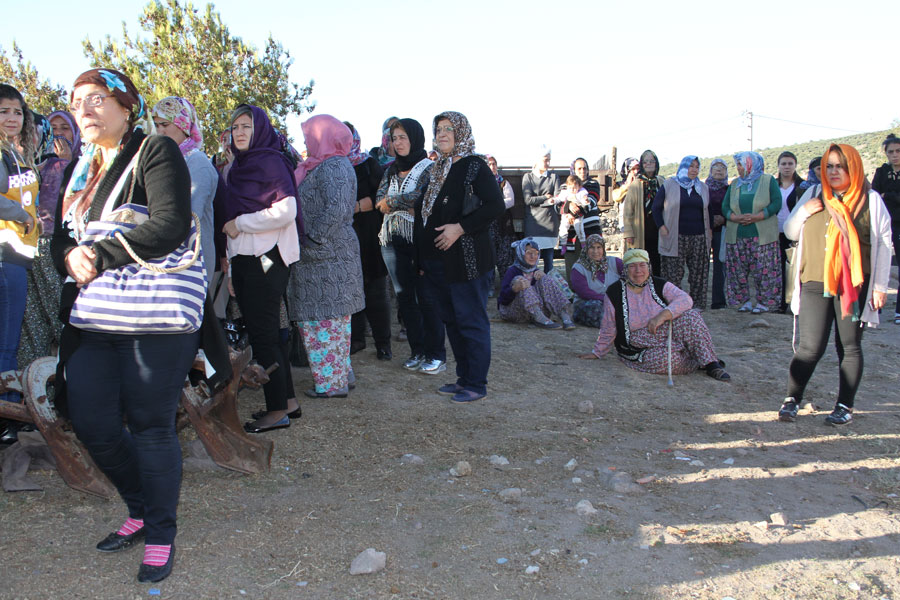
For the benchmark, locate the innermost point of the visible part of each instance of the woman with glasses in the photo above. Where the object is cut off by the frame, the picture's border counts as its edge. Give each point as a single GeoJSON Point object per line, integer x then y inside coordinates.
{"type": "Point", "coordinates": [637, 316]}
{"type": "Point", "coordinates": [109, 376]}
{"type": "Point", "coordinates": [454, 250]}
{"type": "Point", "coordinates": [843, 234]}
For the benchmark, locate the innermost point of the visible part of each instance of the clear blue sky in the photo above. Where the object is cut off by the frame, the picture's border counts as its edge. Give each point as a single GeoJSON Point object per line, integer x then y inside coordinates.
{"type": "Point", "coordinates": [577, 76]}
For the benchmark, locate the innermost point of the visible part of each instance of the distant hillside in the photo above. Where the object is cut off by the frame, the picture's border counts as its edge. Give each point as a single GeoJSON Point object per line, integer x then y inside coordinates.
{"type": "Point", "coordinates": [868, 144]}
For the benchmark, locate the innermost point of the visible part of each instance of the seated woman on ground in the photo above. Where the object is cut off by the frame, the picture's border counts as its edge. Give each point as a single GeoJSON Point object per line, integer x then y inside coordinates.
{"type": "Point", "coordinates": [526, 294]}
{"type": "Point", "coordinates": [646, 303]}
{"type": "Point", "coordinates": [591, 276]}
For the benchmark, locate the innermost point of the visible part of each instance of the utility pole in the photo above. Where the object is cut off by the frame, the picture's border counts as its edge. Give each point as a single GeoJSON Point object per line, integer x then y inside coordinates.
{"type": "Point", "coordinates": [749, 116]}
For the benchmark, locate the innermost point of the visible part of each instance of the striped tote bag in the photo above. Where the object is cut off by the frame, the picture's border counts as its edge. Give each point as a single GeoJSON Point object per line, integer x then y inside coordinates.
{"type": "Point", "coordinates": [161, 295]}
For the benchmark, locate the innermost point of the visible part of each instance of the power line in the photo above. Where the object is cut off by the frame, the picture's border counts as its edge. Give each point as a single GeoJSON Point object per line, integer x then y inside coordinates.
{"type": "Point", "coordinates": [807, 124]}
{"type": "Point", "coordinates": [693, 128]}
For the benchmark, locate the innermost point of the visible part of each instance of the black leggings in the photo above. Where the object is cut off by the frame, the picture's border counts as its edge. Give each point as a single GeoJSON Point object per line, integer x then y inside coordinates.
{"type": "Point", "coordinates": [817, 313]}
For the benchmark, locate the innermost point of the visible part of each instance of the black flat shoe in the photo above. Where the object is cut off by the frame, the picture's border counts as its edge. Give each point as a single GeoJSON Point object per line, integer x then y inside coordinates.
{"type": "Point", "coordinates": [284, 423]}
{"type": "Point", "coordinates": [384, 354]}
{"type": "Point", "coordinates": [294, 414]}
{"type": "Point", "coordinates": [151, 574]}
{"type": "Point", "coordinates": [115, 542]}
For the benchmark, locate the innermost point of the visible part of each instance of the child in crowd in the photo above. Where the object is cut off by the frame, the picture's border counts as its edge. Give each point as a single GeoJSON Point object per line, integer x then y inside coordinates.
{"type": "Point", "coordinates": [573, 202]}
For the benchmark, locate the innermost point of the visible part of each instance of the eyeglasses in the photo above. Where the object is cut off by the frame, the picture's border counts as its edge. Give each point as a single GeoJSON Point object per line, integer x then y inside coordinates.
{"type": "Point", "coordinates": [448, 129]}
{"type": "Point", "coordinates": [92, 100]}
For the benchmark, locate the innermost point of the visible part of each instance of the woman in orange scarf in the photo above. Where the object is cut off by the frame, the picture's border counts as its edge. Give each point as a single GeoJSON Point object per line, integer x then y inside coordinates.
{"type": "Point", "coordinates": [844, 251]}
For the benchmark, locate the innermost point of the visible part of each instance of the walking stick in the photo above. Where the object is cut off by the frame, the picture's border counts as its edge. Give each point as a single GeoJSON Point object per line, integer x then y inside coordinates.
{"type": "Point", "coordinates": [671, 383]}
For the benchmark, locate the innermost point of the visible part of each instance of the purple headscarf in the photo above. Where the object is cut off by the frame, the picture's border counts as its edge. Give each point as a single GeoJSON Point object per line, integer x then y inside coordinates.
{"type": "Point", "coordinates": [75, 144]}
{"type": "Point", "coordinates": [261, 175]}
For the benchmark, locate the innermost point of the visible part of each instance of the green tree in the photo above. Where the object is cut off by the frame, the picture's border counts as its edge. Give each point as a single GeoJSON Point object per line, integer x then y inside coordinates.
{"type": "Point", "coordinates": [193, 55]}
{"type": "Point", "coordinates": [40, 94]}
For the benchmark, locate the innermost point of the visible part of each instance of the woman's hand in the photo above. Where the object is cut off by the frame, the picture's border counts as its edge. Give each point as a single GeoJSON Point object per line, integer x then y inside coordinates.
{"type": "Point", "coordinates": [448, 236]}
{"type": "Point", "coordinates": [588, 356]}
{"type": "Point", "coordinates": [878, 300]}
{"type": "Point", "coordinates": [382, 205]}
{"type": "Point", "coordinates": [538, 275]}
{"type": "Point", "coordinates": [80, 265]}
{"type": "Point", "coordinates": [62, 149]}
{"type": "Point", "coordinates": [718, 220]}
{"type": "Point", "coordinates": [658, 320]}
{"type": "Point", "coordinates": [29, 224]}
{"type": "Point", "coordinates": [365, 205]}
{"type": "Point", "coordinates": [231, 229]}
{"type": "Point", "coordinates": [518, 284]}
{"type": "Point", "coordinates": [813, 206]}
{"type": "Point", "coordinates": [663, 231]}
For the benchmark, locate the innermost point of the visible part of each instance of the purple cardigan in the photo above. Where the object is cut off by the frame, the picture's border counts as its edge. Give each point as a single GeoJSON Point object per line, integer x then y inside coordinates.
{"type": "Point", "coordinates": [506, 295]}
{"type": "Point", "coordinates": [582, 288]}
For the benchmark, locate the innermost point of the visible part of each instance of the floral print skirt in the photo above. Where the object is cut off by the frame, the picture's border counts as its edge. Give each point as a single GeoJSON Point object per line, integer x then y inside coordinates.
{"type": "Point", "coordinates": [692, 346]}
{"type": "Point", "coordinates": [746, 259]}
{"type": "Point", "coordinates": [327, 345]}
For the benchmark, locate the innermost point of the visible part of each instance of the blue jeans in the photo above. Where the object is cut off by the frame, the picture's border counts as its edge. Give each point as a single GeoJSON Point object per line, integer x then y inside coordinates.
{"type": "Point", "coordinates": [718, 280]}
{"type": "Point", "coordinates": [13, 291]}
{"type": "Point", "coordinates": [424, 329]}
{"type": "Point", "coordinates": [461, 307]}
{"type": "Point", "coordinates": [140, 377]}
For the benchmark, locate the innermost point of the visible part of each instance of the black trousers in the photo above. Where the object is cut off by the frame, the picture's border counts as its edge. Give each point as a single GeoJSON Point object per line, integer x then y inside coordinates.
{"type": "Point", "coordinates": [259, 293]}
{"type": "Point", "coordinates": [377, 312]}
{"type": "Point", "coordinates": [817, 314]}
{"type": "Point", "coordinates": [139, 377]}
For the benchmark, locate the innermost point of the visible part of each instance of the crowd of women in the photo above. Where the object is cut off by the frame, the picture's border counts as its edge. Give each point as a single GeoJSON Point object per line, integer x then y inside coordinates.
{"type": "Point", "coordinates": [309, 243]}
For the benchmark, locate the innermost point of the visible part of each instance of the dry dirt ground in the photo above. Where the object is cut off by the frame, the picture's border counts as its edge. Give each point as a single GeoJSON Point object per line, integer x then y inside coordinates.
{"type": "Point", "coordinates": [339, 484]}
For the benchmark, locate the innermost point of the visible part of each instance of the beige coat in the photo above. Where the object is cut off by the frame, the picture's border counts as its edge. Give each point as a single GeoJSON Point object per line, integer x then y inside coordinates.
{"type": "Point", "coordinates": [633, 212]}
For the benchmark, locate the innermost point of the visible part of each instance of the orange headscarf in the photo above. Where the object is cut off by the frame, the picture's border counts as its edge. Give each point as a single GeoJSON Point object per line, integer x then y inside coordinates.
{"type": "Point", "coordinates": [843, 258]}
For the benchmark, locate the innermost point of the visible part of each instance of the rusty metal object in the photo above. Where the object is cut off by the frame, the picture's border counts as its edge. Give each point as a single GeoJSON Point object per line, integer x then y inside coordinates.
{"type": "Point", "coordinates": [216, 421]}
{"type": "Point", "coordinates": [73, 462]}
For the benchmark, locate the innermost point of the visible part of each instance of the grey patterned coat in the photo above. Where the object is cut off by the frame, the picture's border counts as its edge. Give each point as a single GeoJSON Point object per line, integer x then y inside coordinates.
{"type": "Point", "coordinates": [327, 280]}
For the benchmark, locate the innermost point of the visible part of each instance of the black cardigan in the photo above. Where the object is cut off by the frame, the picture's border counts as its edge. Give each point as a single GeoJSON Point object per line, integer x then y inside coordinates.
{"type": "Point", "coordinates": [368, 224]}
{"type": "Point", "coordinates": [163, 176]}
{"type": "Point", "coordinates": [473, 253]}
{"type": "Point", "coordinates": [163, 185]}
{"type": "Point", "coordinates": [889, 190]}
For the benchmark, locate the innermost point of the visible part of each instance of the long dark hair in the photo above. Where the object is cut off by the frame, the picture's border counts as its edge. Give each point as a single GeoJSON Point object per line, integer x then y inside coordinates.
{"type": "Point", "coordinates": [26, 136]}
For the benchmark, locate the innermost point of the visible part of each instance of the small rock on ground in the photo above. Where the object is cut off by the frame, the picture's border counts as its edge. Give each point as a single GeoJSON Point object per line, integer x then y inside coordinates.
{"type": "Point", "coordinates": [757, 323]}
{"type": "Point", "coordinates": [778, 519]}
{"type": "Point", "coordinates": [498, 460]}
{"type": "Point", "coordinates": [411, 459]}
{"type": "Point", "coordinates": [570, 466]}
{"type": "Point", "coordinates": [511, 494]}
{"type": "Point", "coordinates": [461, 469]}
{"type": "Point", "coordinates": [586, 407]}
{"type": "Point", "coordinates": [368, 561]}
{"type": "Point", "coordinates": [584, 508]}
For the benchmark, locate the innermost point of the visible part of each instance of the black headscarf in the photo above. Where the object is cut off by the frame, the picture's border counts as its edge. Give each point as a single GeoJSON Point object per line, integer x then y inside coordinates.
{"type": "Point", "coordinates": [417, 152]}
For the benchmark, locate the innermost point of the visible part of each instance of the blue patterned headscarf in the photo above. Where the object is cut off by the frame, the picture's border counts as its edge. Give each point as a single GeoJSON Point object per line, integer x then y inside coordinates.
{"type": "Point", "coordinates": [753, 164]}
{"type": "Point", "coordinates": [682, 175]}
{"type": "Point", "coordinates": [520, 247]}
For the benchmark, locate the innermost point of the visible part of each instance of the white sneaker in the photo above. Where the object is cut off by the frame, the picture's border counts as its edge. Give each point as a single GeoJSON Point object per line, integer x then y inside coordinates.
{"type": "Point", "coordinates": [746, 307]}
{"type": "Point", "coordinates": [433, 367]}
{"type": "Point", "coordinates": [760, 309]}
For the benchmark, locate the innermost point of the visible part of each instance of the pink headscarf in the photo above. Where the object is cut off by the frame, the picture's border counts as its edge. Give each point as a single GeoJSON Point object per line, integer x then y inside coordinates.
{"type": "Point", "coordinates": [181, 113]}
{"type": "Point", "coordinates": [325, 137]}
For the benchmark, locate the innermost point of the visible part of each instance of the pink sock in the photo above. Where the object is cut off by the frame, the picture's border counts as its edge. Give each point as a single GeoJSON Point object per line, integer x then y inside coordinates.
{"type": "Point", "coordinates": [130, 526]}
{"type": "Point", "coordinates": [156, 556]}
